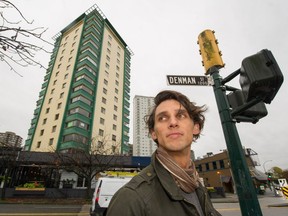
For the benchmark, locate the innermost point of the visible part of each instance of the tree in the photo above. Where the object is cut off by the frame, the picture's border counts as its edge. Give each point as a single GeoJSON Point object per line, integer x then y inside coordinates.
{"type": "Point", "coordinates": [277, 172]}
{"type": "Point", "coordinates": [8, 161]}
{"type": "Point", "coordinates": [18, 44]}
{"type": "Point", "coordinates": [88, 165]}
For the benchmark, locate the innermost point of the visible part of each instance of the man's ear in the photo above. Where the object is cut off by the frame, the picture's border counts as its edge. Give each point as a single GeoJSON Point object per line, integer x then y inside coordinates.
{"type": "Point", "coordinates": [196, 129]}
{"type": "Point", "coordinates": [153, 135]}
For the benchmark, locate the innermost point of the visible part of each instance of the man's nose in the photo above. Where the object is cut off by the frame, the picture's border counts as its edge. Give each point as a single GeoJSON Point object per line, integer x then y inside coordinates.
{"type": "Point", "coordinates": [173, 122]}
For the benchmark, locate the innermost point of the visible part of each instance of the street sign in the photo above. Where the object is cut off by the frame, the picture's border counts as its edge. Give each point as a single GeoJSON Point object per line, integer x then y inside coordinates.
{"type": "Point", "coordinates": [188, 80]}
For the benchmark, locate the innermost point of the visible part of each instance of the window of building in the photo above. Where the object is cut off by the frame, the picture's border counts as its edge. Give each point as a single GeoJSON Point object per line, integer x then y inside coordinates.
{"type": "Point", "coordinates": [63, 85]}
{"type": "Point", "coordinates": [207, 166]}
{"type": "Point", "coordinates": [51, 141]}
{"type": "Point", "coordinates": [47, 110]}
{"type": "Point", "coordinates": [55, 81]}
{"type": "Point", "coordinates": [101, 132]}
{"type": "Point", "coordinates": [214, 165]}
{"type": "Point", "coordinates": [103, 100]}
{"type": "Point", "coordinates": [53, 128]}
{"type": "Point", "coordinates": [107, 65]}
{"type": "Point", "coordinates": [59, 105]}
{"type": "Point", "coordinates": [102, 121]}
{"type": "Point", "coordinates": [108, 51]}
{"type": "Point", "coordinates": [105, 82]}
{"type": "Point", "coordinates": [61, 95]}
{"type": "Point", "coordinates": [57, 116]}
{"type": "Point", "coordinates": [115, 117]}
{"type": "Point", "coordinates": [44, 121]}
{"type": "Point", "coordinates": [115, 108]}
{"type": "Point", "coordinates": [200, 168]}
{"type": "Point", "coordinates": [113, 137]}
{"type": "Point", "coordinates": [38, 144]}
{"type": "Point", "coordinates": [49, 101]}
{"type": "Point", "coordinates": [42, 132]}
{"type": "Point", "coordinates": [114, 127]}
{"type": "Point", "coordinates": [52, 91]}
{"type": "Point", "coordinates": [104, 90]}
{"type": "Point", "coordinates": [221, 162]}
{"type": "Point", "coordinates": [103, 110]}
{"type": "Point", "coordinates": [66, 76]}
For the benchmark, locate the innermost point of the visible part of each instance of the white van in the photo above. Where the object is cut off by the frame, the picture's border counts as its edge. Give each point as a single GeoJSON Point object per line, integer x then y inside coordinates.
{"type": "Point", "coordinates": [105, 188]}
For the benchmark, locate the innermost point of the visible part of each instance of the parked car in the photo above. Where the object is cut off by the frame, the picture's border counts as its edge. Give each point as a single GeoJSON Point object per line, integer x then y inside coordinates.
{"type": "Point", "coordinates": [105, 188]}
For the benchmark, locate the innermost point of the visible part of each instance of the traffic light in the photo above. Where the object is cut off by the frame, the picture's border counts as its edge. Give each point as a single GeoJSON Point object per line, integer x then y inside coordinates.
{"type": "Point", "coordinates": [260, 76]}
{"type": "Point", "coordinates": [209, 51]}
{"type": "Point", "coordinates": [269, 176]}
{"type": "Point", "coordinates": [252, 114]}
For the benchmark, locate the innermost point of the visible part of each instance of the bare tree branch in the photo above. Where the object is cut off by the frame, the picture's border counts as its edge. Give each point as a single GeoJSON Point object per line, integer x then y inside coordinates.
{"type": "Point", "coordinates": [17, 44]}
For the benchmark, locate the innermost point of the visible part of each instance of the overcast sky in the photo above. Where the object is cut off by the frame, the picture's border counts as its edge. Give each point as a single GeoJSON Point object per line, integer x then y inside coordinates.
{"type": "Point", "coordinates": [163, 36]}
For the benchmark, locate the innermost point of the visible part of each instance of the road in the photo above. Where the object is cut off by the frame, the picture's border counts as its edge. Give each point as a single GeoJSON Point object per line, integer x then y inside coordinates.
{"type": "Point", "coordinates": [270, 205]}
{"type": "Point", "coordinates": [42, 210]}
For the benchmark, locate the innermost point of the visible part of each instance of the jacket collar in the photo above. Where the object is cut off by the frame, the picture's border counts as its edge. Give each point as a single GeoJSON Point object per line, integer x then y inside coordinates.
{"type": "Point", "coordinates": [166, 179]}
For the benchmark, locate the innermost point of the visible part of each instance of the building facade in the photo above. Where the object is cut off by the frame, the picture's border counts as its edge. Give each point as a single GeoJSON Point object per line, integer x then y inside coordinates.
{"type": "Point", "coordinates": [84, 101]}
{"type": "Point", "coordinates": [143, 145]}
{"type": "Point", "coordinates": [216, 171]}
{"type": "Point", "coordinates": [10, 139]}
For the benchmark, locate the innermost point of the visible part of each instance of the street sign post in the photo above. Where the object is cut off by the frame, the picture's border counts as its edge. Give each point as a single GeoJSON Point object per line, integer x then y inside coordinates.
{"type": "Point", "coordinates": [188, 80]}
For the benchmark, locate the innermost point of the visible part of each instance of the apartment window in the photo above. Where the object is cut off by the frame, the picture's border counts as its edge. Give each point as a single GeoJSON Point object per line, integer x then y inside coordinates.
{"type": "Point", "coordinates": [51, 141]}
{"type": "Point", "coordinates": [116, 82]}
{"type": "Point", "coordinates": [42, 132]}
{"type": "Point", "coordinates": [109, 36]}
{"type": "Point", "coordinates": [53, 128]}
{"type": "Point", "coordinates": [116, 91]}
{"type": "Point", "coordinates": [57, 73]}
{"type": "Point", "coordinates": [118, 54]}
{"type": "Point", "coordinates": [47, 110]}
{"type": "Point", "coordinates": [61, 58]}
{"type": "Point", "coordinates": [107, 65]}
{"type": "Point", "coordinates": [38, 144]}
{"type": "Point", "coordinates": [200, 168]}
{"type": "Point", "coordinates": [67, 68]}
{"type": "Point", "coordinates": [69, 60]}
{"type": "Point", "coordinates": [101, 132]}
{"type": "Point", "coordinates": [66, 38]}
{"type": "Point", "coordinates": [115, 117]}
{"type": "Point", "coordinates": [114, 127]}
{"type": "Point", "coordinates": [73, 44]}
{"type": "Point", "coordinates": [105, 82]}
{"type": "Point", "coordinates": [109, 44]}
{"type": "Point", "coordinates": [108, 58]}
{"type": "Point", "coordinates": [49, 101]}
{"type": "Point", "coordinates": [117, 75]}
{"type": "Point", "coordinates": [59, 105]}
{"type": "Point", "coordinates": [63, 85]}
{"type": "Point", "coordinates": [55, 81]}
{"type": "Point", "coordinates": [115, 108]}
{"type": "Point", "coordinates": [106, 73]}
{"type": "Point", "coordinates": [118, 61]}
{"type": "Point", "coordinates": [71, 52]}
{"type": "Point", "coordinates": [52, 91]}
{"type": "Point", "coordinates": [44, 121]}
{"type": "Point", "coordinates": [61, 95]}
{"type": "Point", "coordinates": [222, 166]}
{"type": "Point", "coordinates": [103, 100]}
{"type": "Point", "coordinates": [59, 65]}
{"type": "Point", "coordinates": [214, 165]}
{"type": "Point", "coordinates": [66, 76]}
{"type": "Point", "coordinates": [117, 68]}
{"type": "Point", "coordinates": [75, 37]}
{"type": "Point", "coordinates": [103, 110]}
{"type": "Point", "coordinates": [62, 52]}
{"type": "Point", "coordinates": [104, 90]}
{"type": "Point", "coordinates": [56, 116]}
{"type": "Point", "coordinates": [108, 51]}
{"type": "Point", "coordinates": [113, 137]}
{"type": "Point", "coordinates": [102, 121]}
{"type": "Point", "coordinates": [207, 166]}
{"type": "Point", "coordinates": [116, 99]}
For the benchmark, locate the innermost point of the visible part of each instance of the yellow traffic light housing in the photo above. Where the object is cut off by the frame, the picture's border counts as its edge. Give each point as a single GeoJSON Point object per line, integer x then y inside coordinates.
{"type": "Point", "coordinates": [209, 51]}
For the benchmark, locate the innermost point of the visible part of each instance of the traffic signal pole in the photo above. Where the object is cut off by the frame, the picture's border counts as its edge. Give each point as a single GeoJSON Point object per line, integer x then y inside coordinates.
{"type": "Point", "coordinates": [242, 179]}
{"type": "Point", "coordinates": [212, 61]}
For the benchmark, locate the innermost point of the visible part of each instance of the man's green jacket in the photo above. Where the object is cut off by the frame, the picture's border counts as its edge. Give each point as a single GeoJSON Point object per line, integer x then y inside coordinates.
{"type": "Point", "coordinates": [153, 192]}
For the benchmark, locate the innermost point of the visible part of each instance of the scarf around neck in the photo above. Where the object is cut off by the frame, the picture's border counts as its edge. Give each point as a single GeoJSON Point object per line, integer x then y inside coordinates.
{"type": "Point", "coordinates": [186, 179]}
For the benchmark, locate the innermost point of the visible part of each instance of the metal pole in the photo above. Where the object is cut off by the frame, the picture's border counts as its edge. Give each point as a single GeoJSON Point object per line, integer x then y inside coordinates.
{"type": "Point", "coordinates": [245, 189]}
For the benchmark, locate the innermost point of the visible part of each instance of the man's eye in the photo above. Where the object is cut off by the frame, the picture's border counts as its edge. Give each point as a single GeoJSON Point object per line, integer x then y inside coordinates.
{"type": "Point", "coordinates": [181, 115]}
{"type": "Point", "coordinates": [162, 118]}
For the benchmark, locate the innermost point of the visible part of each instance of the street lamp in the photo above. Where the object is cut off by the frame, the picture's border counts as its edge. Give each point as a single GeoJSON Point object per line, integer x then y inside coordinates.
{"type": "Point", "coordinates": [264, 165]}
